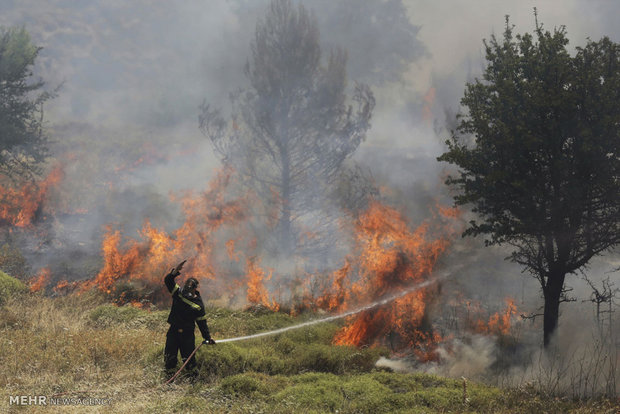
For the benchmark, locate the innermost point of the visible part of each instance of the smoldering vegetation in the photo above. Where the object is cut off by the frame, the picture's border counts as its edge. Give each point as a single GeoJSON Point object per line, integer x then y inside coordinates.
{"type": "Point", "coordinates": [125, 133]}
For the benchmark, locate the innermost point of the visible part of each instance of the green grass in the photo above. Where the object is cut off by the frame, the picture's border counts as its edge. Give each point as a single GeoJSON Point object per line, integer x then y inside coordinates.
{"type": "Point", "coordinates": [370, 393]}
{"type": "Point", "coordinates": [282, 355]}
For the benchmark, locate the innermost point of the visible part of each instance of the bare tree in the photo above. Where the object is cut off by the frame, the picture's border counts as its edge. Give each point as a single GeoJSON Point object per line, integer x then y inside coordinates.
{"type": "Point", "coordinates": [606, 295]}
{"type": "Point", "coordinates": [292, 129]}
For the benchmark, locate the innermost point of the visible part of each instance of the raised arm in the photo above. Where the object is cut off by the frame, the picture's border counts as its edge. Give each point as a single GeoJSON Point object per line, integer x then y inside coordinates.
{"type": "Point", "coordinates": [169, 282]}
{"type": "Point", "coordinates": [169, 278]}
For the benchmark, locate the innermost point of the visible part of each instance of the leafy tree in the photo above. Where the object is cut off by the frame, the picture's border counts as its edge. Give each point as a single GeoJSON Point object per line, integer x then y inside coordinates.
{"type": "Point", "coordinates": [22, 142]}
{"type": "Point", "coordinates": [292, 129]}
{"type": "Point", "coordinates": [542, 168]}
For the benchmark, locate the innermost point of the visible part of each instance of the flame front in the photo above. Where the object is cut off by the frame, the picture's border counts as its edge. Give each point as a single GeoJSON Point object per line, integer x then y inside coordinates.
{"type": "Point", "coordinates": [392, 257]}
{"type": "Point", "coordinates": [257, 293]}
{"type": "Point", "coordinates": [19, 207]}
{"type": "Point", "coordinates": [500, 322]}
{"type": "Point", "coordinates": [41, 280]}
{"type": "Point", "coordinates": [388, 256]}
{"type": "Point", "coordinates": [144, 261]}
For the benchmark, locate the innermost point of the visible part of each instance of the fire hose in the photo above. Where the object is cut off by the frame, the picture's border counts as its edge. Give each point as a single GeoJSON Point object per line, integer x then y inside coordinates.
{"type": "Point", "coordinates": [380, 302]}
{"type": "Point", "coordinates": [184, 364]}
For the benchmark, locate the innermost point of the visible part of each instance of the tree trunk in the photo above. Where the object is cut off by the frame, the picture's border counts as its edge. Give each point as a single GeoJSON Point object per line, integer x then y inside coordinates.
{"type": "Point", "coordinates": [552, 293]}
{"type": "Point", "coordinates": [287, 242]}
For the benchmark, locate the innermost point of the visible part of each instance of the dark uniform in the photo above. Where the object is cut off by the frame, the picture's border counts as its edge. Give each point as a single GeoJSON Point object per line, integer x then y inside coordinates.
{"type": "Point", "coordinates": [186, 309]}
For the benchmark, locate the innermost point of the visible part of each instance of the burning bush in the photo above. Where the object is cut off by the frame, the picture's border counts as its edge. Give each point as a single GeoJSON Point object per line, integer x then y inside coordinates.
{"type": "Point", "coordinates": [392, 258]}
{"type": "Point", "coordinates": [144, 261]}
{"type": "Point", "coordinates": [388, 257]}
{"type": "Point", "coordinates": [20, 206]}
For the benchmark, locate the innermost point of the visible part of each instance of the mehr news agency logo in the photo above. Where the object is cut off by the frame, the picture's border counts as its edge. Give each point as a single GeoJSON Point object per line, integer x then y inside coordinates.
{"type": "Point", "coordinates": [57, 399]}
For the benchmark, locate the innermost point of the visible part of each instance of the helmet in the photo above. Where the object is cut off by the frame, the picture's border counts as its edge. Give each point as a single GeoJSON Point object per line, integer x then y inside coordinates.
{"type": "Point", "coordinates": [190, 284]}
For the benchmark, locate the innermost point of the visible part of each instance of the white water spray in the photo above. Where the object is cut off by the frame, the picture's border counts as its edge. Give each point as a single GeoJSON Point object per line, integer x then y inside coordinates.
{"type": "Point", "coordinates": [334, 317]}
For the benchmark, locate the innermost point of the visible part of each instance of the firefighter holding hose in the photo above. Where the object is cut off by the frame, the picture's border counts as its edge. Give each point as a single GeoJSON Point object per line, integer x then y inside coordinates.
{"type": "Point", "coordinates": [187, 309]}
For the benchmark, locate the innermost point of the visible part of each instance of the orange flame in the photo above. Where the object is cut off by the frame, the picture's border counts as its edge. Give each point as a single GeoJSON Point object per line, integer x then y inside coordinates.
{"type": "Point", "coordinates": [391, 257]}
{"type": "Point", "coordinates": [145, 260]}
{"type": "Point", "coordinates": [19, 207]}
{"type": "Point", "coordinates": [425, 345]}
{"type": "Point", "coordinates": [500, 322]}
{"type": "Point", "coordinates": [117, 264]}
{"type": "Point", "coordinates": [65, 286]}
{"type": "Point", "coordinates": [230, 249]}
{"type": "Point", "coordinates": [338, 297]}
{"type": "Point", "coordinates": [41, 280]}
{"type": "Point", "coordinates": [257, 293]}
{"type": "Point", "coordinates": [449, 212]}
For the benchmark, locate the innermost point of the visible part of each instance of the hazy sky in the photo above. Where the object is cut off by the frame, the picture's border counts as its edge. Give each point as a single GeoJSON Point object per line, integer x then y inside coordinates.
{"type": "Point", "coordinates": [134, 73]}
{"type": "Point", "coordinates": [151, 63]}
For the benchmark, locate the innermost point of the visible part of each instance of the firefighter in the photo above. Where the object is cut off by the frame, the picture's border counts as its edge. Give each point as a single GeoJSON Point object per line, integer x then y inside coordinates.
{"type": "Point", "coordinates": [187, 309]}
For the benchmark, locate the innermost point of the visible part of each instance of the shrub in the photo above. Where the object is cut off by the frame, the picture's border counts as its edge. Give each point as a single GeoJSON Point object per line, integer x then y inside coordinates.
{"type": "Point", "coordinates": [9, 286]}
{"type": "Point", "coordinates": [336, 359]}
{"type": "Point", "coordinates": [284, 345]}
{"type": "Point", "coordinates": [397, 382]}
{"type": "Point", "coordinates": [108, 314]}
{"type": "Point", "coordinates": [365, 395]}
{"type": "Point", "coordinates": [312, 392]}
{"type": "Point", "coordinates": [111, 315]}
{"type": "Point", "coordinates": [221, 361]}
{"type": "Point", "coordinates": [283, 356]}
{"type": "Point", "coordinates": [438, 398]}
{"type": "Point", "coordinates": [13, 262]}
{"type": "Point", "coordinates": [228, 323]}
{"type": "Point", "coordinates": [244, 385]}
{"type": "Point", "coordinates": [268, 362]}
{"type": "Point", "coordinates": [322, 333]}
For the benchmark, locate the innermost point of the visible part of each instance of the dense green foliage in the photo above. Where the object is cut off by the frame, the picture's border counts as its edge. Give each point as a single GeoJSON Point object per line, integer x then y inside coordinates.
{"type": "Point", "coordinates": [22, 142]}
{"type": "Point", "coordinates": [9, 286]}
{"type": "Point", "coordinates": [542, 169]}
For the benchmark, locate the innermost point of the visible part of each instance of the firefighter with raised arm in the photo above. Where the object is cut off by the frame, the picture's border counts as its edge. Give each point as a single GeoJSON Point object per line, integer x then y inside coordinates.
{"type": "Point", "coordinates": [187, 309]}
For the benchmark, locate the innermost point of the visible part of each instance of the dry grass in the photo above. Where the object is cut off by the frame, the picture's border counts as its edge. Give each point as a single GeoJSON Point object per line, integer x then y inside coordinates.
{"type": "Point", "coordinates": [52, 347]}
